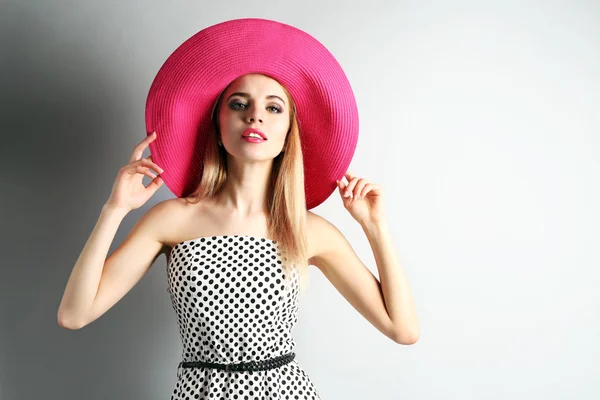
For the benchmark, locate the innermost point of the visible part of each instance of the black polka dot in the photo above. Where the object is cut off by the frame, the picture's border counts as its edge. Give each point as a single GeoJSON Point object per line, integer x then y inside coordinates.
{"type": "Point", "coordinates": [234, 303]}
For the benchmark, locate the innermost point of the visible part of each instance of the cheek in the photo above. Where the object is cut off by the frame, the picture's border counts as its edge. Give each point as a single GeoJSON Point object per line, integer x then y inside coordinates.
{"type": "Point", "coordinates": [282, 126]}
{"type": "Point", "coordinates": [225, 124]}
{"type": "Point", "coordinates": [281, 135]}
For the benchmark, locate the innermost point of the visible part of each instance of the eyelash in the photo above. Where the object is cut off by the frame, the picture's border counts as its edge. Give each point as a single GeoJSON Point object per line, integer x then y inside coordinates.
{"type": "Point", "coordinates": [232, 104]}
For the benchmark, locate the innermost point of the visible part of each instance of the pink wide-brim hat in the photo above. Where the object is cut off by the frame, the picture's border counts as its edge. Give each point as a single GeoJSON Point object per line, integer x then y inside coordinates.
{"type": "Point", "coordinates": [181, 99]}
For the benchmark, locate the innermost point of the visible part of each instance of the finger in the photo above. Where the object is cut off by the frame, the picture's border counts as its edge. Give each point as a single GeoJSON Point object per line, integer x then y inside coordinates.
{"type": "Point", "coordinates": [157, 167]}
{"type": "Point", "coordinates": [350, 187]}
{"type": "Point", "coordinates": [373, 189]}
{"type": "Point", "coordinates": [140, 169]}
{"type": "Point", "coordinates": [138, 150]}
{"type": "Point", "coordinates": [147, 163]}
{"type": "Point", "coordinates": [341, 186]}
{"type": "Point", "coordinates": [153, 186]}
{"type": "Point", "coordinates": [359, 187]}
{"type": "Point", "coordinates": [150, 174]}
{"type": "Point", "coordinates": [349, 175]}
{"type": "Point", "coordinates": [365, 190]}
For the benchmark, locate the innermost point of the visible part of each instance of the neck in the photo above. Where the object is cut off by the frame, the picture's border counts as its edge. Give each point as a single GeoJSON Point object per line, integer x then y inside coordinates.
{"type": "Point", "coordinates": [246, 189]}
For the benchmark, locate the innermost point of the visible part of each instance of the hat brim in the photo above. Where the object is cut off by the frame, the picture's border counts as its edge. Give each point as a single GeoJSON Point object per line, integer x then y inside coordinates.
{"type": "Point", "coordinates": [185, 89]}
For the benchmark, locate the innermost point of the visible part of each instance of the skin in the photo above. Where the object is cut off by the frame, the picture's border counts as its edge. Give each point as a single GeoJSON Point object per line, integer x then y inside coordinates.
{"type": "Point", "coordinates": [385, 303]}
{"type": "Point", "coordinates": [249, 164]}
{"type": "Point", "coordinates": [96, 285]}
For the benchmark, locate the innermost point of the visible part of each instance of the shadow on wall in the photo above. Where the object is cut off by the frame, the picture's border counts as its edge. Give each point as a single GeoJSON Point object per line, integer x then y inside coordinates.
{"type": "Point", "coordinates": [58, 111]}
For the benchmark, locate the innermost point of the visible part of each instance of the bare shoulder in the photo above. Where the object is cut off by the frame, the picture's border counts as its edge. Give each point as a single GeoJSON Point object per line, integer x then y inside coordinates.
{"type": "Point", "coordinates": [161, 218]}
{"type": "Point", "coordinates": [323, 238]}
{"type": "Point", "coordinates": [170, 209]}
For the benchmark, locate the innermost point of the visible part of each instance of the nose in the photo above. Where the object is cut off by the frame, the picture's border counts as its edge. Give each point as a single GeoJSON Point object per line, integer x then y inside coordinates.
{"type": "Point", "coordinates": [254, 115]}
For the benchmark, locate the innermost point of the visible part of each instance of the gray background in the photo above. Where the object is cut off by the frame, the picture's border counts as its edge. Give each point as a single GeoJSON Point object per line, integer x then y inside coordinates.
{"type": "Point", "coordinates": [481, 119]}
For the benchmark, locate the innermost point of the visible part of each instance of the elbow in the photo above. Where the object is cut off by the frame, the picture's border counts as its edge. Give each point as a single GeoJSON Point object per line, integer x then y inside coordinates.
{"type": "Point", "coordinates": [69, 324]}
{"type": "Point", "coordinates": [407, 338]}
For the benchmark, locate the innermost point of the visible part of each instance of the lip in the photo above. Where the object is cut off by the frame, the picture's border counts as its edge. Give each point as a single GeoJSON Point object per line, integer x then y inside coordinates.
{"type": "Point", "coordinates": [253, 130]}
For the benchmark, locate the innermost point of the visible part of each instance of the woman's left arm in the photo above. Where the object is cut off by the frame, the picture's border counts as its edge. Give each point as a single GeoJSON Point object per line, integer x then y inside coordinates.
{"type": "Point", "coordinates": [394, 284]}
{"type": "Point", "coordinates": [387, 303]}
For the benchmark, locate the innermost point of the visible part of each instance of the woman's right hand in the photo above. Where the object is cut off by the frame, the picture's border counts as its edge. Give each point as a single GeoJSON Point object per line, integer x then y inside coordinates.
{"type": "Point", "coordinates": [128, 192]}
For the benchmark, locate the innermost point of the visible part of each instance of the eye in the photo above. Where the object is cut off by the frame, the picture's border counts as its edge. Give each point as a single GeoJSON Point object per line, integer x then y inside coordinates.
{"type": "Point", "coordinates": [234, 105]}
{"type": "Point", "coordinates": [237, 105]}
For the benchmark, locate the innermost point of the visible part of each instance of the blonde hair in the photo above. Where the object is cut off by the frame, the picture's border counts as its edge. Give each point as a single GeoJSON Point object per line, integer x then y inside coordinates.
{"type": "Point", "coordinates": [286, 199]}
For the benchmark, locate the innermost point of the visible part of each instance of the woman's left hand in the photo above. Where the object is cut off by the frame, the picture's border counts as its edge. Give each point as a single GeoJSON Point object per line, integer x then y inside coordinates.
{"type": "Point", "coordinates": [364, 199]}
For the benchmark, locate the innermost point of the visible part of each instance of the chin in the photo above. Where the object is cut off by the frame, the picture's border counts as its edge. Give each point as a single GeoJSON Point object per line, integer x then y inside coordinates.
{"type": "Point", "coordinates": [253, 156]}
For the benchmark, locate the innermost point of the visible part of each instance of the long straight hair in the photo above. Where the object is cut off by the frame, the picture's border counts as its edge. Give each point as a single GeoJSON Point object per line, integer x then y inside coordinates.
{"type": "Point", "coordinates": [286, 199]}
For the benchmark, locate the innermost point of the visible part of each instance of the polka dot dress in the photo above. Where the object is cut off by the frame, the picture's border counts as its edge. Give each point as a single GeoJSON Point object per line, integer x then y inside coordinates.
{"type": "Point", "coordinates": [235, 304]}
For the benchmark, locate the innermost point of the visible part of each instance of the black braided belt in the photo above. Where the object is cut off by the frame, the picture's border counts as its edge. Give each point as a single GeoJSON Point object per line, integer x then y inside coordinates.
{"type": "Point", "coordinates": [243, 366]}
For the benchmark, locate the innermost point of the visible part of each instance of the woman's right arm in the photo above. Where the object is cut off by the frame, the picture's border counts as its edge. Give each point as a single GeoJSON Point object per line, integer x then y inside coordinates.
{"type": "Point", "coordinates": [85, 277]}
{"type": "Point", "coordinates": [96, 282]}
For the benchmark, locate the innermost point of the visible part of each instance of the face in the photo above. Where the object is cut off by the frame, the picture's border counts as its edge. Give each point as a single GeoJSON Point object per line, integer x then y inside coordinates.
{"type": "Point", "coordinates": [258, 102]}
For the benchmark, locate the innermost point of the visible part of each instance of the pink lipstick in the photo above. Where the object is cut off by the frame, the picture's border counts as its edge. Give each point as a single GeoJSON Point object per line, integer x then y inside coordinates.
{"type": "Point", "coordinates": [256, 137]}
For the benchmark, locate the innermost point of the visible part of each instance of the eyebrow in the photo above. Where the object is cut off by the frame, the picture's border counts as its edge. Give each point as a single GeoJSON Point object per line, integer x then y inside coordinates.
{"type": "Point", "coordinates": [241, 94]}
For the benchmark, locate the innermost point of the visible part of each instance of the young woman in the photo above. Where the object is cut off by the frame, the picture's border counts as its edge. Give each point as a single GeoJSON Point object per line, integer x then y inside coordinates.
{"type": "Point", "coordinates": [239, 236]}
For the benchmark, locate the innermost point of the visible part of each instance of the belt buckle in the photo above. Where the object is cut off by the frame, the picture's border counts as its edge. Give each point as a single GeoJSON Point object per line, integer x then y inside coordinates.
{"type": "Point", "coordinates": [227, 367]}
